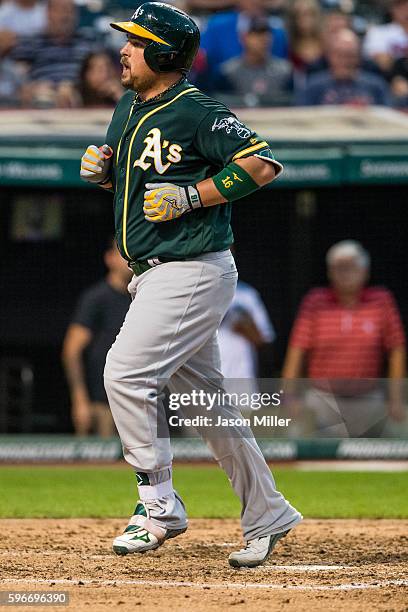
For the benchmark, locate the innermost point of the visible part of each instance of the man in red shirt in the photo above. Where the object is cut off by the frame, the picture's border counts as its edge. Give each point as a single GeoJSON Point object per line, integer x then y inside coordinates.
{"type": "Point", "coordinates": [342, 334]}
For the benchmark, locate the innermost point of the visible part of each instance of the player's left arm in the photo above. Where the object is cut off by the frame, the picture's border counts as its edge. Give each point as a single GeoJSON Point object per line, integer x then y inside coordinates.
{"type": "Point", "coordinates": [233, 183]}
{"type": "Point", "coordinates": [165, 201]}
{"type": "Point", "coordinates": [246, 162]}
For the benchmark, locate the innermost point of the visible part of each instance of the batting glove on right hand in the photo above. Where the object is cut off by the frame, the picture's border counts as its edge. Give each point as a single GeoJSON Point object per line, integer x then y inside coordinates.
{"type": "Point", "coordinates": [165, 201]}
{"type": "Point", "coordinates": [95, 164]}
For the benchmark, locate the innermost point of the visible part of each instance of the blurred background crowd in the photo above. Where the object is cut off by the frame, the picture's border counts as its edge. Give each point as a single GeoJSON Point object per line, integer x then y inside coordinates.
{"type": "Point", "coordinates": [62, 53]}
{"type": "Point", "coordinates": [344, 338]}
{"type": "Point", "coordinates": [317, 309]}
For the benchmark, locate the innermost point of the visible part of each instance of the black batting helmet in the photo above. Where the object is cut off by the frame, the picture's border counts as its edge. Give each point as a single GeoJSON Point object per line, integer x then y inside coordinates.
{"type": "Point", "coordinates": [174, 36]}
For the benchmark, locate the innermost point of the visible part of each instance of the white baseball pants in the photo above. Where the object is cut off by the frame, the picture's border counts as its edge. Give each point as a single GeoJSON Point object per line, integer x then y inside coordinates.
{"type": "Point", "coordinates": [169, 336]}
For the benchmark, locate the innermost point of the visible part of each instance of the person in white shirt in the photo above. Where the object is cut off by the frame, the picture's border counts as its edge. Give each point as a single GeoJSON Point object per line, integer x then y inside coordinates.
{"type": "Point", "coordinates": [245, 328]}
{"type": "Point", "coordinates": [386, 43]}
{"type": "Point", "coordinates": [18, 18]}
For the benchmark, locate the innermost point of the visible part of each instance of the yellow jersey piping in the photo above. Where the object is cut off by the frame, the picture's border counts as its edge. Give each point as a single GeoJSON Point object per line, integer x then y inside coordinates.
{"type": "Point", "coordinates": [261, 145]}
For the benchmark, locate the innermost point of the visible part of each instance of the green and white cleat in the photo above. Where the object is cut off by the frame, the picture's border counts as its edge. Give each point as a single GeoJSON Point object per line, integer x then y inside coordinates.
{"type": "Point", "coordinates": [141, 534]}
{"type": "Point", "coordinates": [256, 551]}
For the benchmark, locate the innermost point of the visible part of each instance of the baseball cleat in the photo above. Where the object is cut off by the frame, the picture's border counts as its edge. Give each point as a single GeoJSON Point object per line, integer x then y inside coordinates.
{"type": "Point", "coordinates": [142, 535]}
{"type": "Point", "coordinates": [256, 551]}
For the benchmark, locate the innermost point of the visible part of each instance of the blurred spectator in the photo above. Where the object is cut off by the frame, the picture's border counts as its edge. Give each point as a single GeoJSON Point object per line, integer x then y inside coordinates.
{"type": "Point", "coordinates": [344, 82]}
{"type": "Point", "coordinates": [18, 17]}
{"type": "Point", "coordinates": [305, 34]}
{"type": "Point", "coordinates": [399, 82]}
{"type": "Point", "coordinates": [99, 81]}
{"type": "Point", "coordinates": [373, 10]}
{"type": "Point", "coordinates": [96, 322]}
{"type": "Point", "coordinates": [199, 73]}
{"type": "Point", "coordinates": [222, 38]}
{"type": "Point", "coordinates": [333, 22]}
{"type": "Point", "coordinates": [274, 7]}
{"type": "Point", "coordinates": [207, 6]}
{"type": "Point", "coordinates": [386, 43]}
{"type": "Point", "coordinates": [342, 334]}
{"type": "Point", "coordinates": [256, 78]}
{"type": "Point", "coordinates": [54, 58]}
{"type": "Point", "coordinates": [245, 328]}
{"type": "Point", "coordinates": [10, 84]}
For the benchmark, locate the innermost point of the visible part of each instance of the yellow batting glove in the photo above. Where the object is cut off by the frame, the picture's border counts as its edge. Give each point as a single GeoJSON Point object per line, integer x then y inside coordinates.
{"type": "Point", "coordinates": [165, 201]}
{"type": "Point", "coordinates": [95, 164]}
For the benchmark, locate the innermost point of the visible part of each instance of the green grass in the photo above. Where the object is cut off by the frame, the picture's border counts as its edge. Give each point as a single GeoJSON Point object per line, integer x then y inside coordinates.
{"type": "Point", "coordinates": [111, 492]}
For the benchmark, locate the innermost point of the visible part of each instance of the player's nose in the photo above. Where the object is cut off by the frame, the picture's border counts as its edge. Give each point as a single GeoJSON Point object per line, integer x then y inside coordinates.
{"type": "Point", "coordinates": [124, 50]}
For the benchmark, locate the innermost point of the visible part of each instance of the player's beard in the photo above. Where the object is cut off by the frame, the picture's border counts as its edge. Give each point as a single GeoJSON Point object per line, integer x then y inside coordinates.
{"type": "Point", "coordinates": [138, 83]}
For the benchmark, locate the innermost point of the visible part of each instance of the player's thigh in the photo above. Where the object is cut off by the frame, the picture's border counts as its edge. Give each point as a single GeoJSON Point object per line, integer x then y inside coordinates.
{"type": "Point", "coordinates": [177, 308]}
{"type": "Point", "coordinates": [201, 371]}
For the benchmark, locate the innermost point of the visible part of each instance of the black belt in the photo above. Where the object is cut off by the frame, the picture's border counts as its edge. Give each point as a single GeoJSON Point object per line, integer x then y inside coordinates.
{"type": "Point", "coordinates": [142, 265]}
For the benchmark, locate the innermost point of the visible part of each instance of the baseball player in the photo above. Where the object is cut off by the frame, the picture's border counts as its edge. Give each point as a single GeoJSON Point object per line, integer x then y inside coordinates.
{"type": "Point", "coordinates": [175, 159]}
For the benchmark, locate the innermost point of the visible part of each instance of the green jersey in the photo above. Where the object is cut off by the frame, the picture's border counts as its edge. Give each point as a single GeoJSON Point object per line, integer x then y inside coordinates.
{"type": "Point", "coordinates": [181, 138]}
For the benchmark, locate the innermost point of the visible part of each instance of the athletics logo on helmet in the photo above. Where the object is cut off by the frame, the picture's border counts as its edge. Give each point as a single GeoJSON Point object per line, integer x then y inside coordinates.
{"type": "Point", "coordinates": [174, 36]}
{"type": "Point", "coordinates": [137, 13]}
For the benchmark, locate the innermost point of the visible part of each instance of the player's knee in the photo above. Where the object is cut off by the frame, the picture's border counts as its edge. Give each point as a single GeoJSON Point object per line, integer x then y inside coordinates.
{"type": "Point", "coordinates": [117, 371]}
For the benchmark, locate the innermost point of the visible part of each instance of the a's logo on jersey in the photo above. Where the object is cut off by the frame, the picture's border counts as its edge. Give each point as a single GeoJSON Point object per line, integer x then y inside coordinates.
{"type": "Point", "coordinates": [153, 151]}
{"type": "Point", "coordinates": [229, 124]}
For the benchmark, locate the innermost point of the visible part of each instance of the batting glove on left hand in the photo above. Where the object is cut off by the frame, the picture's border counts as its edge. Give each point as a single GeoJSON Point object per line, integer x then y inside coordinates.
{"type": "Point", "coordinates": [165, 201]}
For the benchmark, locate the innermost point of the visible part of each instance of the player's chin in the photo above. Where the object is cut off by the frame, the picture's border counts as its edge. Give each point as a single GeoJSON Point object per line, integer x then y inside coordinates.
{"type": "Point", "coordinates": [125, 82]}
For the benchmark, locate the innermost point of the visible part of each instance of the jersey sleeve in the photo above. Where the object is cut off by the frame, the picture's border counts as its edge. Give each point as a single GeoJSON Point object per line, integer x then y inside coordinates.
{"type": "Point", "coordinates": [222, 138]}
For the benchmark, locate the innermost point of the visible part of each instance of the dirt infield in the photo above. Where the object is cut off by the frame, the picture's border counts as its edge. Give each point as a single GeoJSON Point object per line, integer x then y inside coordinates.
{"type": "Point", "coordinates": [321, 565]}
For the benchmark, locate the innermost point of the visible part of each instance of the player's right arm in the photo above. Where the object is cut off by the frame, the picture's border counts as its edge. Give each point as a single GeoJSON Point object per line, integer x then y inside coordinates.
{"type": "Point", "coordinates": [76, 340]}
